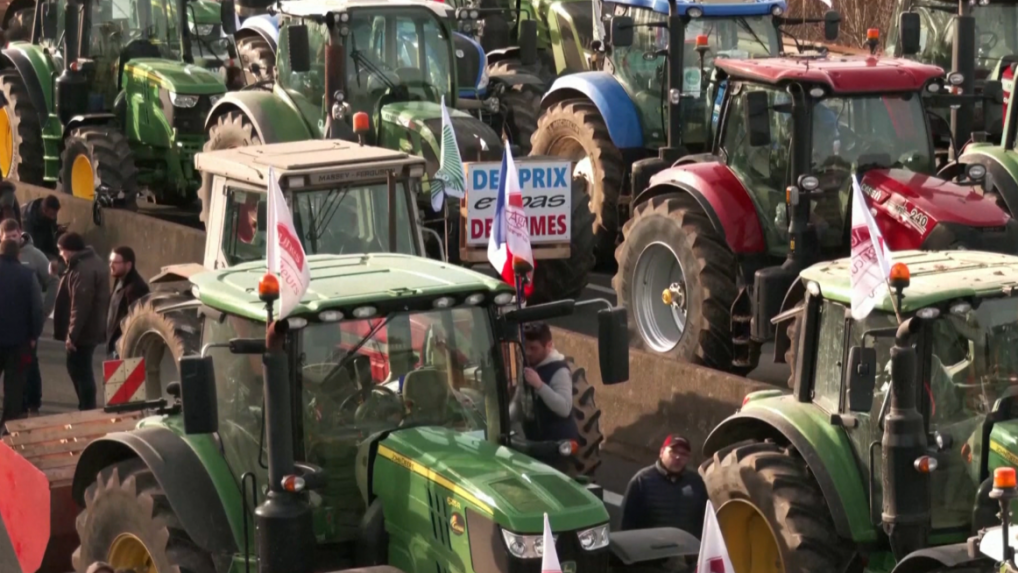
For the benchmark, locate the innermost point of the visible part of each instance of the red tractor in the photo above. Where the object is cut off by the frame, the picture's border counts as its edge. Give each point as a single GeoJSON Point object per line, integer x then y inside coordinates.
{"type": "Point", "coordinates": [716, 240]}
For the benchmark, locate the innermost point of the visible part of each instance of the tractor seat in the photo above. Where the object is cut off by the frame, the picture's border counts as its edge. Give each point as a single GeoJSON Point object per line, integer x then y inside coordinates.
{"type": "Point", "coordinates": [426, 394]}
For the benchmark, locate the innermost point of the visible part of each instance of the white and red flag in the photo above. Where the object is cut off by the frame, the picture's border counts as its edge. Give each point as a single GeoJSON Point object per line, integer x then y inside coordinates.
{"type": "Point", "coordinates": [713, 556]}
{"type": "Point", "coordinates": [549, 559]}
{"type": "Point", "coordinates": [510, 231]}
{"type": "Point", "coordinates": [871, 258]}
{"type": "Point", "coordinates": [286, 257]}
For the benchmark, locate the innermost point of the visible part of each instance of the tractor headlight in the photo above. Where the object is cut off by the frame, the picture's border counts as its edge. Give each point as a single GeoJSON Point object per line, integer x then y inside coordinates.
{"type": "Point", "coordinates": [183, 100]}
{"type": "Point", "coordinates": [694, 12]}
{"type": "Point", "coordinates": [777, 10]}
{"type": "Point", "coordinates": [216, 97]}
{"type": "Point", "coordinates": [975, 171]}
{"type": "Point", "coordinates": [201, 29]}
{"type": "Point", "coordinates": [594, 538]}
{"type": "Point", "coordinates": [524, 546]}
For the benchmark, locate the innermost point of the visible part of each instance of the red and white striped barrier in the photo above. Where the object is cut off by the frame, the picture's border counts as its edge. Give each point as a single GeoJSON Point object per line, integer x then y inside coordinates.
{"type": "Point", "coordinates": [124, 380]}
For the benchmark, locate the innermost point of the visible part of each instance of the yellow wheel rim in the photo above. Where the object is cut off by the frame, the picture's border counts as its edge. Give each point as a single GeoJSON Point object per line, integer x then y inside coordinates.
{"type": "Point", "coordinates": [750, 540]}
{"type": "Point", "coordinates": [82, 178]}
{"type": "Point", "coordinates": [6, 143]}
{"type": "Point", "coordinates": [129, 552]}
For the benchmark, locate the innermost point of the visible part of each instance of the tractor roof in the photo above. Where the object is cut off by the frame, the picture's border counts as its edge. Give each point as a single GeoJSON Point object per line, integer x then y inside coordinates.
{"type": "Point", "coordinates": [841, 74]}
{"type": "Point", "coordinates": [936, 276]}
{"type": "Point", "coordinates": [320, 161]}
{"type": "Point", "coordinates": [344, 282]}
{"type": "Point", "coordinates": [319, 7]}
{"type": "Point", "coordinates": [713, 8]}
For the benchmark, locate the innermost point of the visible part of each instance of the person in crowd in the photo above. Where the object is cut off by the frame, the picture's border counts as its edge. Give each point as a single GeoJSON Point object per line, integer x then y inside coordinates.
{"type": "Point", "coordinates": [40, 221]}
{"type": "Point", "coordinates": [9, 208]}
{"type": "Point", "coordinates": [666, 494]}
{"type": "Point", "coordinates": [128, 287]}
{"type": "Point", "coordinates": [21, 312]}
{"type": "Point", "coordinates": [79, 317]}
{"type": "Point", "coordinates": [37, 262]}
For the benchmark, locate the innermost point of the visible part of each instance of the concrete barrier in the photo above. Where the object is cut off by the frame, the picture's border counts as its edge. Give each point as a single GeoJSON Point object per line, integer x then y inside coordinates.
{"type": "Point", "coordinates": [156, 243]}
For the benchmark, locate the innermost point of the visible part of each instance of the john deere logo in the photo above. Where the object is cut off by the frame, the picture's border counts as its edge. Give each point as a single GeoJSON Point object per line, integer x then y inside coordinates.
{"type": "Point", "coordinates": [457, 525]}
{"type": "Point", "coordinates": [569, 567]}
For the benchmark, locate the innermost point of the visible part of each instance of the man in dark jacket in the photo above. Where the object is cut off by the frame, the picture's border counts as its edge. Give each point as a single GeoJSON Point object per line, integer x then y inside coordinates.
{"type": "Point", "coordinates": [666, 494]}
{"type": "Point", "coordinates": [79, 318]}
{"type": "Point", "coordinates": [128, 287]}
{"type": "Point", "coordinates": [40, 221]}
{"type": "Point", "coordinates": [21, 309]}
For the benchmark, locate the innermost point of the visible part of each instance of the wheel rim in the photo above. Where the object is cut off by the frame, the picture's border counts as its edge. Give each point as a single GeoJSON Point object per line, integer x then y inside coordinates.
{"type": "Point", "coordinates": [661, 323]}
{"type": "Point", "coordinates": [6, 144]}
{"type": "Point", "coordinates": [82, 178]}
{"type": "Point", "coordinates": [750, 541]}
{"type": "Point", "coordinates": [129, 552]}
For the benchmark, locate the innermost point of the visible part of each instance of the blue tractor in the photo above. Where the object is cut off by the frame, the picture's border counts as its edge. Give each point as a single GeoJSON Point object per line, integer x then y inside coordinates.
{"type": "Point", "coordinates": [647, 108]}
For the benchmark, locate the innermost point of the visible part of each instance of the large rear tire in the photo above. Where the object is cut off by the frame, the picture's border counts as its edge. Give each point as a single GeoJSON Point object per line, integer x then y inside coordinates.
{"type": "Point", "coordinates": [520, 104]}
{"type": "Point", "coordinates": [587, 416]}
{"type": "Point", "coordinates": [557, 279]}
{"type": "Point", "coordinates": [129, 524]}
{"type": "Point", "coordinates": [771, 511]}
{"type": "Point", "coordinates": [101, 150]}
{"type": "Point", "coordinates": [21, 150]}
{"type": "Point", "coordinates": [574, 130]}
{"type": "Point", "coordinates": [232, 129]}
{"type": "Point", "coordinates": [670, 241]}
{"type": "Point", "coordinates": [149, 334]}
{"type": "Point", "coordinates": [258, 58]}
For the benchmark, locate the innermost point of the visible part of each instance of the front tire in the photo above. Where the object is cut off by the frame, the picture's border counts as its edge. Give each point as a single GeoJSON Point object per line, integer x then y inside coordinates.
{"type": "Point", "coordinates": [520, 104]}
{"type": "Point", "coordinates": [575, 130]}
{"type": "Point", "coordinates": [129, 524]}
{"type": "Point", "coordinates": [21, 150]}
{"type": "Point", "coordinates": [258, 58]}
{"type": "Point", "coordinates": [232, 129]}
{"type": "Point", "coordinates": [558, 279]}
{"type": "Point", "coordinates": [670, 241]}
{"type": "Point", "coordinates": [771, 511]}
{"type": "Point", "coordinates": [101, 150]}
{"type": "Point", "coordinates": [149, 334]}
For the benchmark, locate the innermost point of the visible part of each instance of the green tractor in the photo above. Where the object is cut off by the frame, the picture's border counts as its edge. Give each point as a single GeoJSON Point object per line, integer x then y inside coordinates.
{"type": "Point", "coordinates": [881, 456]}
{"type": "Point", "coordinates": [392, 61]}
{"type": "Point", "coordinates": [384, 404]}
{"type": "Point", "coordinates": [110, 98]}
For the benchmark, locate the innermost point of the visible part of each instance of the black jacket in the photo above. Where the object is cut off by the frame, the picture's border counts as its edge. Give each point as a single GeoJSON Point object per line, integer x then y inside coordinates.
{"type": "Point", "coordinates": [43, 230]}
{"type": "Point", "coordinates": [83, 298]}
{"type": "Point", "coordinates": [656, 498]}
{"type": "Point", "coordinates": [126, 292]}
{"type": "Point", "coordinates": [20, 304]}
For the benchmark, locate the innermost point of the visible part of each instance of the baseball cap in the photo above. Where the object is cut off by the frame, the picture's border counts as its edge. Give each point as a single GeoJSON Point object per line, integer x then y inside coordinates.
{"type": "Point", "coordinates": [675, 440]}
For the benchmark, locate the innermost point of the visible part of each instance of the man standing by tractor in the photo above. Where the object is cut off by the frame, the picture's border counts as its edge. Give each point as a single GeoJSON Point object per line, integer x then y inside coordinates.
{"type": "Point", "coordinates": [40, 221]}
{"type": "Point", "coordinates": [21, 314]}
{"type": "Point", "coordinates": [666, 494]}
{"type": "Point", "coordinates": [128, 287]}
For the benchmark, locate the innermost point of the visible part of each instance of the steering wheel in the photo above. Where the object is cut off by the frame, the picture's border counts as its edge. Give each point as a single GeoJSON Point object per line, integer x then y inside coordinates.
{"type": "Point", "coordinates": [365, 394]}
{"type": "Point", "coordinates": [988, 44]}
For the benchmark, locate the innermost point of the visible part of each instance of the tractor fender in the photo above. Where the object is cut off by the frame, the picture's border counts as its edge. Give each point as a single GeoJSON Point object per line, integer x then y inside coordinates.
{"type": "Point", "coordinates": [262, 25]}
{"type": "Point", "coordinates": [88, 119]}
{"type": "Point", "coordinates": [1001, 171]}
{"type": "Point", "coordinates": [721, 196]}
{"type": "Point", "coordinates": [825, 451]}
{"type": "Point", "coordinates": [517, 80]}
{"type": "Point", "coordinates": [182, 475]}
{"type": "Point", "coordinates": [464, 42]}
{"type": "Point", "coordinates": [275, 119]}
{"type": "Point", "coordinates": [27, 60]}
{"type": "Point", "coordinates": [612, 100]}
{"type": "Point", "coordinates": [512, 53]}
{"type": "Point", "coordinates": [936, 559]}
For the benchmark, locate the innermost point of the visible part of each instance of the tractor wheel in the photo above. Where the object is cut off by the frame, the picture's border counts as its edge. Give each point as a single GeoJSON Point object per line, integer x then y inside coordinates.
{"type": "Point", "coordinates": [128, 524]}
{"type": "Point", "coordinates": [670, 244]}
{"type": "Point", "coordinates": [21, 151]}
{"type": "Point", "coordinates": [19, 26]}
{"type": "Point", "coordinates": [588, 421]}
{"type": "Point", "coordinates": [148, 334]}
{"type": "Point", "coordinates": [232, 129]}
{"type": "Point", "coordinates": [575, 130]}
{"type": "Point", "coordinates": [793, 348]}
{"type": "Point", "coordinates": [104, 150]}
{"type": "Point", "coordinates": [259, 61]}
{"type": "Point", "coordinates": [557, 279]}
{"type": "Point", "coordinates": [522, 104]}
{"type": "Point", "coordinates": [771, 511]}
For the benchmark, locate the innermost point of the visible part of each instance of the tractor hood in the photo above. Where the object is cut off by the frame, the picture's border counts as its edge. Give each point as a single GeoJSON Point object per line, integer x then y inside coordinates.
{"type": "Point", "coordinates": [918, 203]}
{"type": "Point", "coordinates": [178, 77]}
{"type": "Point", "coordinates": [476, 140]}
{"type": "Point", "coordinates": [514, 489]}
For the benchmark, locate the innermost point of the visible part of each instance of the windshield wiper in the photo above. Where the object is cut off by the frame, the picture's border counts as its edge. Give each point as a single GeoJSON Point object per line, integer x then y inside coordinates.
{"type": "Point", "coordinates": [360, 58]}
{"type": "Point", "coordinates": [353, 351]}
{"type": "Point", "coordinates": [742, 22]}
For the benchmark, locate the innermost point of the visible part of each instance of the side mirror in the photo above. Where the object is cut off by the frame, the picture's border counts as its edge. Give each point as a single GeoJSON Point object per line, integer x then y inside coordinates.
{"type": "Point", "coordinates": [832, 21]}
{"type": "Point", "coordinates": [757, 118]}
{"type": "Point", "coordinates": [298, 48]}
{"type": "Point", "coordinates": [620, 34]}
{"type": "Point", "coordinates": [228, 16]}
{"type": "Point", "coordinates": [528, 42]}
{"type": "Point", "coordinates": [546, 311]}
{"type": "Point", "coordinates": [613, 345]}
{"type": "Point", "coordinates": [263, 216]}
{"type": "Point", "coordinates": [908, 30]}
{"type": "Point", "coordinates": [198, 395]}
{"type": "Point", "coordinates": [862, 376]}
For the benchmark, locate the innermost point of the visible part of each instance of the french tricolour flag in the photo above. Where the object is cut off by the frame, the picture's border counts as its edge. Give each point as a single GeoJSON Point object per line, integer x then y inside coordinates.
{"type": "Point", "coordinates": [510, 231]}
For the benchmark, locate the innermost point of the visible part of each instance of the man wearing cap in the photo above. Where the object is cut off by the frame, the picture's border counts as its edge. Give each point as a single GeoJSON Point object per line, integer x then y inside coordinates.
{"type": "Point", "coordinates": [666, 494]}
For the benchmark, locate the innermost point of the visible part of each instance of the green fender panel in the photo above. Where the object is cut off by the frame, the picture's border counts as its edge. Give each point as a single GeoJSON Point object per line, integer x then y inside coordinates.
{"type": "Point", "coordinates": [275, 117]}
{"type": "Point", "coordinates": [1001, 168]}
{"type": "Point", "coordinates": [824, 447]}
{"type": "Point", "coordinates": [28, 58]}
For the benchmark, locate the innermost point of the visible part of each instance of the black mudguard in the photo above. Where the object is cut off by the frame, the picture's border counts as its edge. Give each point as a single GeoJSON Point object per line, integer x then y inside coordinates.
{"type": "Point", "coordinates": [89, 119]}
{"type": "Point", "coordinates": [517, 80]}
{"type": "Point", "coordinates": [937, 558]}
{"type": "Point", "coordinates": [18, 61]}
